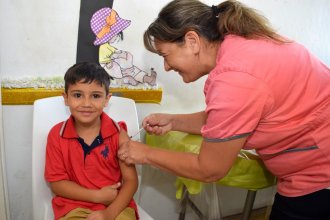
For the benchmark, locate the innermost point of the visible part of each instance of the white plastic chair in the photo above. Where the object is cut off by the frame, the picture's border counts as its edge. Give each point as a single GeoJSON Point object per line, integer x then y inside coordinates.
{"type": "Point", "coordinates": [46, 113]}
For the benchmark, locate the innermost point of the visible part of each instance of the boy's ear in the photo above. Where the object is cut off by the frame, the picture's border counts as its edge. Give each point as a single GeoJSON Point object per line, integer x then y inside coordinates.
{"type": "Point", "coordinates": [192, 40]}
{"type": "Point", "coordinates": [65, 96]}
{"type": "Point", "coordinates": [107, 99]}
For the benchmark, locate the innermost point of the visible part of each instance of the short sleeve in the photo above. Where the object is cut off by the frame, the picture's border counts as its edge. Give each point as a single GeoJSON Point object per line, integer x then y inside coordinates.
{"type": "Point", "coordinates": [54, 168]}
{"type": "Point", "coordinates": [122, 125]}
{"type": "Point", "coordinates": [236, 103]}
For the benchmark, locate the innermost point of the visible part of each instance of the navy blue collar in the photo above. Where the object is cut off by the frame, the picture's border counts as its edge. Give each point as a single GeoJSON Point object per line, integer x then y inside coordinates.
{"type": "Point", "coordinates": [87, 149]}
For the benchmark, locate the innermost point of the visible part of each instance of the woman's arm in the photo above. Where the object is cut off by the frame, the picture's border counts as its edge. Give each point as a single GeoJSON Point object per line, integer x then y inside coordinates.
{"type": "Point", "coordinates": [160, 124]}
{"type": "Point", "coordinates": [211, 164]}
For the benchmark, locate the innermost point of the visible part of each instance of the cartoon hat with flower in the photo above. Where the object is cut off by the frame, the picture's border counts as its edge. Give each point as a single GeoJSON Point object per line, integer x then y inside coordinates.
{"type": "Point", "coordinates": [106, 24]}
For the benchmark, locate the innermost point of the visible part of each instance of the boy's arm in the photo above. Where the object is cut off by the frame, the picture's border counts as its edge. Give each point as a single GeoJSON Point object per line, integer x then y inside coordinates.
{"type": "Point", "coordinates": [128, 188]}
{"type": "Point", "coordinates": [71, 190]}
{"type": "Point", "coordinates": [57, 176]}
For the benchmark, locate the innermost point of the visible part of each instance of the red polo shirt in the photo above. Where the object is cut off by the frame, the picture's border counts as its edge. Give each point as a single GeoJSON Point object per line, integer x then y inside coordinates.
{"type": "Point", "coordinates": [66, 160]}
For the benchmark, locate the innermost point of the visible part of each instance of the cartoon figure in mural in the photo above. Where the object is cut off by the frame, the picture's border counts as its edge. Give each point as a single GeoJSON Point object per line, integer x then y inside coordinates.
{"type": "Point", "coordinates": [108, 28]}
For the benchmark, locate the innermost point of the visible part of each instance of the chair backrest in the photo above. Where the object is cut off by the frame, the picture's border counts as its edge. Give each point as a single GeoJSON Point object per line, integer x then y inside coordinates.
{"type": "Point", "coordinates": [46, 113]}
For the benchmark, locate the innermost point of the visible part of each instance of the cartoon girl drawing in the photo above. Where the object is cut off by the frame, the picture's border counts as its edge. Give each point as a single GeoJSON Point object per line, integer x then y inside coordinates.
{"type": "Point", "coordinates": [108, 26]}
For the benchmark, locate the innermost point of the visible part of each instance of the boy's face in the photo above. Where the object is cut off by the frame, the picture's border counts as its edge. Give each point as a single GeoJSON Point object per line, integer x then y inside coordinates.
{"type": "Point", "coordinates": [86, 102]}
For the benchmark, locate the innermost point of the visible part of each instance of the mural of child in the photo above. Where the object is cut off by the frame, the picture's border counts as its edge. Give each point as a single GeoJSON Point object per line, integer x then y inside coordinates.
{"type": "Point", "coordinates": [108, 28]}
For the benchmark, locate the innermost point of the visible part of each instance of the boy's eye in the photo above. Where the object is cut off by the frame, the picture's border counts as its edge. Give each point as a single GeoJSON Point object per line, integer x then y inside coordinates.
{"type": "Point", "coordinates": [95, 96]}
{"type": "Point", "coordinates": [77, 95]}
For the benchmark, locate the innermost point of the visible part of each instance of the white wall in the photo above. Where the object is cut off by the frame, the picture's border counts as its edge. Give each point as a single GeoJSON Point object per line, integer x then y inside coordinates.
{"type": "Point", "coordinates": [39, 38]}
{"type": "Point", "coordinates": [4, 207]}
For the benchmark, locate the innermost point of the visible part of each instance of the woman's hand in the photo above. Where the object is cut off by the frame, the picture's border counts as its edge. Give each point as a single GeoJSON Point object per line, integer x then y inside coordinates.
{"type": "Point", "coordinates": [133, 152]}
{"type": "Point", "coordinates": [158, 124]}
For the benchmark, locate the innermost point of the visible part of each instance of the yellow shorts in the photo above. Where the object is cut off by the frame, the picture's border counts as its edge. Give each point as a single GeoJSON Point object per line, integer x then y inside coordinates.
{"type": "Point", "coordinates": [81, 213]}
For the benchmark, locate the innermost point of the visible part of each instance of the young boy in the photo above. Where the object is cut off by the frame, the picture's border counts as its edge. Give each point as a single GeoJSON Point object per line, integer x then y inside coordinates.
{"type": "Point", "coordinates": [82, 167]}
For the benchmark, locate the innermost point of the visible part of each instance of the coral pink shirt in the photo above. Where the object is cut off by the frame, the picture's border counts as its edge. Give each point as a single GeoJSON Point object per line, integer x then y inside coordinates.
{"type": "Point", "coordinates": [278, 96]}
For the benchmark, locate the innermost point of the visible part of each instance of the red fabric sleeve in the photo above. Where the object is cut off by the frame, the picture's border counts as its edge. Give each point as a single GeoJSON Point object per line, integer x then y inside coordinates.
{"type": "Point", "coordinates": [54, 167]}
{"type": "Point", "coordinates": [122, 125]}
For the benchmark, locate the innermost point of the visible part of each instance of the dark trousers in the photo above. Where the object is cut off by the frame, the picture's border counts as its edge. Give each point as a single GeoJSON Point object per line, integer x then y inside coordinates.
{"type": "Point", "coordinates": [314, 206]}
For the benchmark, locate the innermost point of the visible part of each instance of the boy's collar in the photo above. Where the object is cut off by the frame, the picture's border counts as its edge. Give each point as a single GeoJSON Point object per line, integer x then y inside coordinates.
{"type": "Point", "coordinates": [108, 127]}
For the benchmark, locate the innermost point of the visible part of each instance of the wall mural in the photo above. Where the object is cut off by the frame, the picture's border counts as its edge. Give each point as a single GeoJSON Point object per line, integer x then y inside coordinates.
{"type": "Point", "coordinates": [100, 29]}
{"type": "Point", "coordinates": [86, 51]}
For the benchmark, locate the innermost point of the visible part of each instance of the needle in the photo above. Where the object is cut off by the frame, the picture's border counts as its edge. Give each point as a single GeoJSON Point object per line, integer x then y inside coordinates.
{"type": "Point", "coordinates": [139, 131]}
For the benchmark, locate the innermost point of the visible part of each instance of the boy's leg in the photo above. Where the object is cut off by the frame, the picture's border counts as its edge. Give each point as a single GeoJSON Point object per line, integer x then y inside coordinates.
{"type": "Point", "coordinates": [77, 214]}
{"type": "Point", "coordinates": [127, 214]}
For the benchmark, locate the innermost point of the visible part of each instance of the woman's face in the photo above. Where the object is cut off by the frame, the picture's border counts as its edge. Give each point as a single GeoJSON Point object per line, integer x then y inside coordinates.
{"type": "Point", "coordinates": [181, 58]}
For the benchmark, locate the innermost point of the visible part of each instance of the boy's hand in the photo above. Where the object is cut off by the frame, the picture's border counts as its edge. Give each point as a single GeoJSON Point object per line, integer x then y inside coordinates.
{"type": "Point", "coordinates": [107, 194]}
{"type": "Point", "coordinates": [98, 215]}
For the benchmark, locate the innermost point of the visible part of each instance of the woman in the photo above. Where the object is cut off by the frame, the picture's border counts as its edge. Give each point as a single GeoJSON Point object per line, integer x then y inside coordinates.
{"type": "Point", "coordinates": [263, 92]}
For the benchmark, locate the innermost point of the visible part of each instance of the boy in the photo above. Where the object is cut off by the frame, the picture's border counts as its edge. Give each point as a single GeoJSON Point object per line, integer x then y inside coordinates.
{"type": "Point", "coordinates": [82, 168]}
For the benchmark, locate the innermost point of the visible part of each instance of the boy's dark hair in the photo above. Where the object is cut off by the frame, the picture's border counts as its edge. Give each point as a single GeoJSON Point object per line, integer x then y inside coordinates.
{"type": "Point", "coordinates": [87, 72]}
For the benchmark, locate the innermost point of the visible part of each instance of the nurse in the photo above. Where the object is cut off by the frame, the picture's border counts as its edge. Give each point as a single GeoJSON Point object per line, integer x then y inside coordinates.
{"type": "Point", "coordinates": [263, 92]}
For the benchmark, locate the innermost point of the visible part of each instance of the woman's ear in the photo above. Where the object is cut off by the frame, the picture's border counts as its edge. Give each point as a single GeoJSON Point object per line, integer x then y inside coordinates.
{"type": "Point", "coordinates": [65, 96]}
{"type": "Point", "coordinates": [192, 40]}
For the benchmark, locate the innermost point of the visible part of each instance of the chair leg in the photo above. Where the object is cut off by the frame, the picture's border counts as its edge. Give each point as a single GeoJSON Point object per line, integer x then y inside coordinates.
{"type": "Point", "coordinates": [195, 209]}
{"type": "Point", "coordinates": [183, 204]}
{"type": "Point", "coordinates": [248, 206]}
{"type": "Point", "coordinates": [186, 201]}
